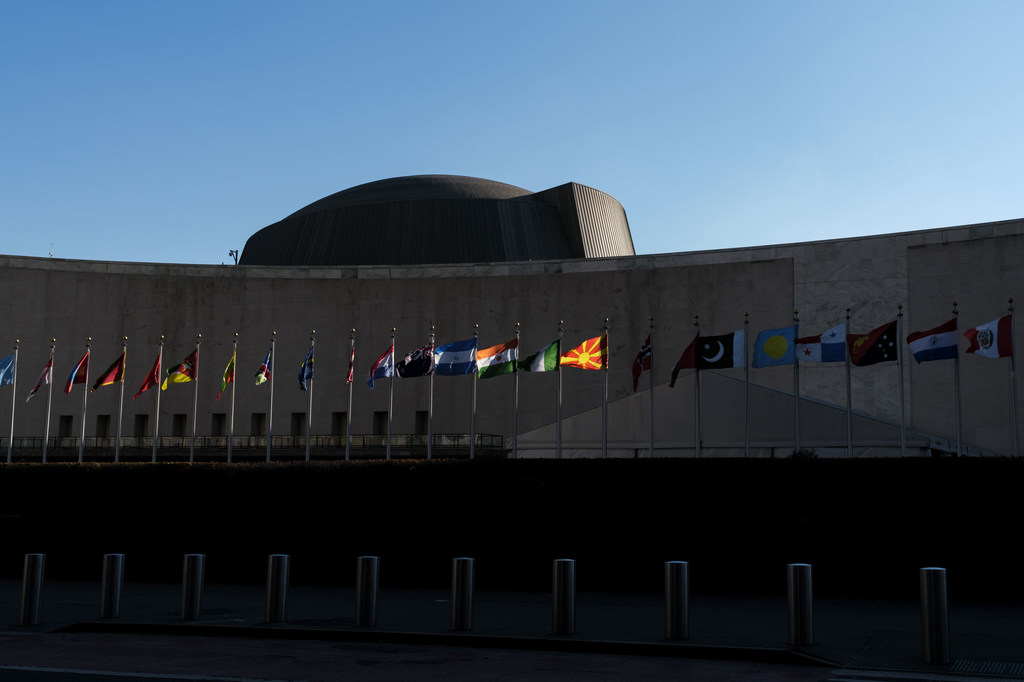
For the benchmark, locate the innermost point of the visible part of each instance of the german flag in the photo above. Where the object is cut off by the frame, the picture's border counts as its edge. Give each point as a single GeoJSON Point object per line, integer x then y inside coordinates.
{"type": "Point", "coordinates": [591, 354]}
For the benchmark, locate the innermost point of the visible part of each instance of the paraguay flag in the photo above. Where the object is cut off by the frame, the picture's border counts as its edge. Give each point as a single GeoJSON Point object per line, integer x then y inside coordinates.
{"type": "Point", "coordinates": [935, 344]}
{"type": "Point", "coordinates": [383, 367]}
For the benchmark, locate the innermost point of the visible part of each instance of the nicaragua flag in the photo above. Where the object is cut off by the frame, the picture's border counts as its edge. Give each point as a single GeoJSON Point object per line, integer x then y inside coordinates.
{"type": "Point", "coordinates": [458, 357]}
{"type": "Point", "coordinates": [829, 346]}
{"type": "Point", "coordinates": [383, 367]}
{"type": "Point", "coordinates": [935, 344]}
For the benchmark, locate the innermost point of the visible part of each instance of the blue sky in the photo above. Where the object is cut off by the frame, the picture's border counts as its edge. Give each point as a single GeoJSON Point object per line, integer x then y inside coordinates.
{"type": "Point", "coordinates": [170, 132]}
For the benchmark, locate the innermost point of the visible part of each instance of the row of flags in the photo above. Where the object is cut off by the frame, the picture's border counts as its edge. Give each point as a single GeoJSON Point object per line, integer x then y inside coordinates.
{"type": "Point", "coordinates": [772, 347]}
{"type": "Point", "coordinates": [776, 347]}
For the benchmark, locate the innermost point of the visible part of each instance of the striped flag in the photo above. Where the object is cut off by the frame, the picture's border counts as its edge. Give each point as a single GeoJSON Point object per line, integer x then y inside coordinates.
{"type": "Point", "coordinates": [544, 360]}
{"type": "Point", "coordinates": [79, 373]}
{"type": "Point", "coordinates": [496, 360]}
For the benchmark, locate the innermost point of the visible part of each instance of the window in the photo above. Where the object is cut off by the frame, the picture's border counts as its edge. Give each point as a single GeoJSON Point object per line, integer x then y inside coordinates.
{"type": "Point", "coordinates": [103, 426]}
{"type": "Point", "coordinates": [141, 429]}
{"type": "Point", "coordinates": [339, 423]}
{"type": "Point", "coordinates": [178, 424]}
{"type": "Point", "coordinates": [298, 423]}
{"type": "Point", "coordinates": [258, 424]}
{"type": "Point", "coordinates": [64, 426]}
{"type": "Point", "coordinates": [218, 424]}
{"type": "Point", "coordinates": [380, 423]}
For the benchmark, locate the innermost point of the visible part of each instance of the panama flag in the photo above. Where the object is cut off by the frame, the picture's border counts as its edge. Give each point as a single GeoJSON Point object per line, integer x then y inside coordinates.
{"type": "Point", "coordinates": [992, 340]}
{"type": "Point", "coordinates": [496, 360]}
{"type": "Point", "coordinates": [458, 357]}
{"type": "Point", "coordinates": [829, 346]}
{"type": "Point", "coordinates": [383, 367]}
{"type": "Point", "coordinates": [934, 344]}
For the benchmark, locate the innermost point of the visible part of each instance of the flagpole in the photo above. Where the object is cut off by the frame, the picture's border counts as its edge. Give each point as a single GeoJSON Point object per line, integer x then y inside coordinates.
{"type": "Point", "coordinates": [14, 390]}
{"type": "Point", "coordinates": [159, 372]}
{"type": "Point", "coordinates": [49, 400]}
{"type": "Point", "coordinates": [1013, 390]}
{"type": "Point", "coordinates": [120, 400]}
{"type": "Point", "coordinates": [604, 405]}
{"type": "Point", "coordinates": [899, 364]}
{"type": "Point", "coordinates": [430, 399]}
{"type": "Point", "coordinates": [85, 395]}
{"type": "Point", "coordinates": [796, 386]}
{"type": "Point", "coordinates": [195, 402]}
{"type": "Point", "coordinates": [391, 393]}
{"type": "Point", "coordinates": [231, 408]}
{"type": "Point", "coordinates": [651, 387]}
{"type": "Point", "coordinates": [270, 413]}
{"type": "Point", "coordinates": [956, 387]}
{"type": "Point", "coordinates": [746, 387]}
{"type": "Point", "coordinates": [515, 401]}
{"type": "Point", "coordinates": [558, 409]}
{"type": "Point", "coordinates": [697, 395]}
{"type": "Point", "coordinates": [348, 414]}
{"type": "Point", "coordinates": [309, 392]}
{"type": "Point", "coordinates": [472, 419]}
{"type": "Point", "coordinates": [849, 401]}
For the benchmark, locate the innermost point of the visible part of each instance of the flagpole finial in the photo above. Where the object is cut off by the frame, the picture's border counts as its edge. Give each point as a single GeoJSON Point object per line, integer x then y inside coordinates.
{"type": "Point", "coordinates": [199, 335]}
{"type": "Point", "coordinates": [236, 335]}
{"type": "Point", "coordinates": [517, 325]}
{"type": "Point", "coordinates": [352, 330]}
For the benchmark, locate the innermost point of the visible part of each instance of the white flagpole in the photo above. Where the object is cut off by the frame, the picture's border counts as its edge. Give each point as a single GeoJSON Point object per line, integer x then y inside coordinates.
{"type": "Point", "coordinates": [515, 400]}
{"type": "Point", "coordinates": [651, 387]}
{"type": "Point", "coordinates": [85, 395]}
{"type": "Point", "coordinates": [849, 396]}
{"type": "Point", "coordinates": [159, 373]}
{"type": "Point", "coordinates": [195, 402]}
{"type": "Point", "coordinates": [348, 415]}
{"type": "Point", "coordinates": [14, 390]}
{"type": "Point", "coordinates": [558, 409]}
{"type": "Point", "coordinates": [604, 407]}
{"type": "Point", "coordinates": [309, 393]}
{"type": "Point", "coordinates": [796, 386]}
{"type": "Point", "coordinates": [956, 386]}
{"type": "Point", "coordinates": [391, 393]}
{"type": "Point", "coordinates": [899, 363]}
{"type": "Point", "coordinates": [231, 408]}
{"type": "Point", "coordinates": [746, 386]}
{"type": "Point", "coordinates": [697, 391]}
{"type": "Point", "coordinates": [120, 400]}
{"type": "Point", "coordinates": [1013, 390]}
{"type": "Point", "coordinates": [472, 419]}
{"type": "Point", "coordinates": [273, 371]}
{"type": "Point", "coordinates": [49, 401]}
{"type": "Point", "coordinates": [430, 400]}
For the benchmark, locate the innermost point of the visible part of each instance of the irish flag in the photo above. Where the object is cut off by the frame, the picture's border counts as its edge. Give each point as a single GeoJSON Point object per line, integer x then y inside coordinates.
{"type": "Point", "coordinates": [500, 359]}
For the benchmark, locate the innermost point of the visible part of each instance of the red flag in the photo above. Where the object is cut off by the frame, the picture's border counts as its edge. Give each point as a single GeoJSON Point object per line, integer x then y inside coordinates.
{"type": "Point", "coordinates": [642, 361]}
{"type": "Point", "coordinates": [114, 373]}
{"type": "Point", "coordinates": [351, 364]}
{"type": "Point", "coordinates": [688, 360]}
{"type": "Point", "coordinates": [79, 373]}
{"type": "Point", "coordinates": [152, 379]}
{"type": "Point", "coordinates": [44, 377]}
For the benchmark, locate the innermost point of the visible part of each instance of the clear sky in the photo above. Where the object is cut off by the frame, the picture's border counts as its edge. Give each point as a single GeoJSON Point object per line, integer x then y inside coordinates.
{"type": "Point", "coordinates": [171, 131]}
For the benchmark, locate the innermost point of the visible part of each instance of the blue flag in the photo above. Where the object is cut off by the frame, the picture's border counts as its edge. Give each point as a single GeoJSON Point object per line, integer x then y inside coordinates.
{"type": "Point", "coordinates": [7, 370]}
{"type": "Point", "coordinates": [458, 357]}
{"type": "Point", "coordinates": [775, 347]}
{"type": "Point", "coordinates": [306, 369]}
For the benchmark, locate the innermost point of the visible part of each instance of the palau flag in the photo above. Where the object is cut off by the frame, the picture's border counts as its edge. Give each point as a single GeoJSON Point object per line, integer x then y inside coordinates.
{"type": "Point", "coordinates": [775, 347]}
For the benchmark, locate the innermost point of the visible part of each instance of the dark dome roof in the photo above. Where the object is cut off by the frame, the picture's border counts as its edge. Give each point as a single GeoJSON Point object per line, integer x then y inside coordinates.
{"type": "Point", "coordinates": [434, 219]}
{"type": "Point", "coordinates": [416, 188]}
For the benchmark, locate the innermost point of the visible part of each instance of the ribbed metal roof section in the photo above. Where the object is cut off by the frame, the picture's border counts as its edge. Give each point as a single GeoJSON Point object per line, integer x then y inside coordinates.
{"type": "Point", "coordinates": [438, 219]}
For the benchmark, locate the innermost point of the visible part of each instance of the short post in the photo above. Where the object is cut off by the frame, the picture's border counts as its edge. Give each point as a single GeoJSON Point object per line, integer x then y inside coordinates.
{"type": "Point", "coordinates": [111, 585]}
{"type": "Point", "coordinates": [563, 597]}
{"type": "Point", "coordinates": [462, 593]}
{"type": "Point", "coordinates": [192, 577]}
{"type": "Point", "coordinates": [801, 604]}
{"type": "Point", "coordinates": [366, 591]}
{"type": "Point", "coordinates": [277, 587]}
{"type": "Point", "coordinates": [677, 600]}
{"type": "Point", "coordinates": [32, 590]}
{"type": "Point", "coordinates": [934, 616]}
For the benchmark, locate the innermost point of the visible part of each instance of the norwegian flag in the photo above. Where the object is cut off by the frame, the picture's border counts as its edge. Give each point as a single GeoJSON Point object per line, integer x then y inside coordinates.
{"type": "Point", "coordinates": [643, 361]}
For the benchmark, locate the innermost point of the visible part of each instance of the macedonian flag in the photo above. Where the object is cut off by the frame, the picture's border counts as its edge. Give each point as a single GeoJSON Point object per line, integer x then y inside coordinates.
{"type": "Point", "coordinates": [591, 354]}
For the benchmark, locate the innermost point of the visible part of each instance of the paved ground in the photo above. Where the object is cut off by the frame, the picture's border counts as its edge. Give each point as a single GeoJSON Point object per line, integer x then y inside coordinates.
{"type": "Point", "coordinates": [617, 637]}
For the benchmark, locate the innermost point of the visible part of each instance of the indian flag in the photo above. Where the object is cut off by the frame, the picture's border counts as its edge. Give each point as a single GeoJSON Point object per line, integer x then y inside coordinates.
{"type": "Point", "coordinates": [544, 360]}
{"type": "Point", "coordinates": [500, 359]}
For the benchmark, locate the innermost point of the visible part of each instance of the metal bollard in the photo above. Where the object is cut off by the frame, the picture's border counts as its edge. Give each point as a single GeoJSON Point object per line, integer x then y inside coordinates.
{"type": "Point", "coordinates": [677, 600]}
{"type": "Point", "coordinates": [934, 616]}
{"type": "Point", "coordinates": [111, 585]}
{"type": "Point", "coordinates": [366, 591]}
{"type": "Point", "coordinates": [32, 590]}
{"type": "Point", "coordinates": [563, 597]}
{"type": "Point", "coordinates": [192, 577]}
{"type": "Point", "coordinates": [277, 587]}
{"type": "Point", "coordinates": [801, 604]}
{"type": "Point", "coordinates": [462, 593]}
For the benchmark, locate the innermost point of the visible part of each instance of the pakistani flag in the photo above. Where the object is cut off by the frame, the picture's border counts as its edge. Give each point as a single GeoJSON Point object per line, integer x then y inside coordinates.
{"type": "Point", "coordinates": [500, 359]}
{"type": "Point", "coordinates": [544, 360]}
